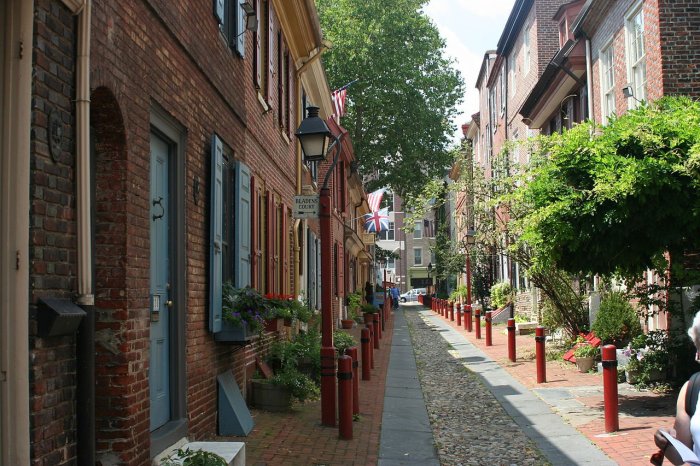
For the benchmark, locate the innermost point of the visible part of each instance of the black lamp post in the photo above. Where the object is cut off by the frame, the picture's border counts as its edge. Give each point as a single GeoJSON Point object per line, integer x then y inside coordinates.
{"type": "Point", "coordinates": [430, 278]}
{"type": "Point", "coordinates": [313, 135]}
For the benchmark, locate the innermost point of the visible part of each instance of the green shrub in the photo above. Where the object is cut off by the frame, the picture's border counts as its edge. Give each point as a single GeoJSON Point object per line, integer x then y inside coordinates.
{"type": "Point", "coordinates": [616, 321]}
{"type": "Point", "coordinates": [501, 294]}
{"type": "Point", "coordinates": [460, 292]}
{"type": "Point", "coordinates": [343, 341]}
{"type": "Point", "coordinates": [586, 350]}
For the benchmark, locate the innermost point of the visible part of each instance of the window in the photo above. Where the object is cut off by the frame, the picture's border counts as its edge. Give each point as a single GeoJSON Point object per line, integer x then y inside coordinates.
{"type": "Point", "coordinates": [283, 94]}
{"type": "Point", "coordinates": [230, 219]}
{"type": "Point", "coordinates": [418, 230]}
{"type": "Point", "coordinates": [417, 256]}
{"type": "Point", "coordinates": [636, 55]}
{"type": "Point", "coordinates": [391, 263]}
{"type": "Point", "coordinates": [231, 18]}
{"type": "Point", "coordinates": [492, 109]}
{"type": "Point", "coordinates": [263, 60]}
{"type": "Point", "coordinates": [387, 235]}
{"type": "Point", "coordinates": [607, 82]}
{"type": "Point", "coordinates": [511, 74]}
{"type": "Point", "coordinates": [429, 228]}
{"type": "Point", "coordinates": [502, 80]}
{"type": "Point", "coordinates": [526, 50]}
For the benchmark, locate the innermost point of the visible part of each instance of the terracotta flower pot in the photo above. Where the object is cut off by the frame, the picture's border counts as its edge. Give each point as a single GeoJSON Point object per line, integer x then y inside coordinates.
{"type": "Point", "coordinates": [347, 323]}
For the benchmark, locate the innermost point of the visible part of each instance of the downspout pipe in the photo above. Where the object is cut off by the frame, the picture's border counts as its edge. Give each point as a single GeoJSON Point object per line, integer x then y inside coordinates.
{"type": "Point", "coordinates": [86, 298]}
{"type": "Point", "coordinates": [589, 80]}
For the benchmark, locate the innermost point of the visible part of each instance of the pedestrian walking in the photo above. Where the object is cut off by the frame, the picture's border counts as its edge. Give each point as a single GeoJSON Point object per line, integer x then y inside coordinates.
{"type": "Point", "coordinates": [369, 293]}
{"type": "Point", "coordinates": [394, 296]}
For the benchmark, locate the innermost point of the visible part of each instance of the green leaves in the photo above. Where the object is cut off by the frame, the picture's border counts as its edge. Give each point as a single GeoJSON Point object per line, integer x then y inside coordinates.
{"type": "Point", "coordinates": [400, 109]}
{"type": "Point", "coordinates": [615, 201]}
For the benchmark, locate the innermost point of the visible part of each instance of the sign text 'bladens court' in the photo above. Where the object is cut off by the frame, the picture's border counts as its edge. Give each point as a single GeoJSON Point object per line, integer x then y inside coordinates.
{"type": "Point", "coordinates": [305, 207]}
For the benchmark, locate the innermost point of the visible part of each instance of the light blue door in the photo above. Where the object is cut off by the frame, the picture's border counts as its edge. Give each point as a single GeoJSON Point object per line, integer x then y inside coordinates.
{"type": "Point", "coordinates": [161, 305]}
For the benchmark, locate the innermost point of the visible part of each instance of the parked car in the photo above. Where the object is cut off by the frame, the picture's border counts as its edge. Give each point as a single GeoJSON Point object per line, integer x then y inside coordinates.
{"type": "Point", "coordinates": [412, 295]}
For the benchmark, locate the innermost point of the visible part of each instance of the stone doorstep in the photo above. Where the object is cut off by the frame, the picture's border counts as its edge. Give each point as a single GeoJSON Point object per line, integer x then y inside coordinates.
{"type": "Point", "coordinates": [524, 328]}
{"type": "Point", "coordinates": [232, 452]}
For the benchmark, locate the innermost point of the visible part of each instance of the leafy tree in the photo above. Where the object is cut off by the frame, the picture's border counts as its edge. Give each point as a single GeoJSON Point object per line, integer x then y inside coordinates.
{"type": "Point", "coordinates": [618, 201]}
{"type": "Point", "coordinates": [399, 110]}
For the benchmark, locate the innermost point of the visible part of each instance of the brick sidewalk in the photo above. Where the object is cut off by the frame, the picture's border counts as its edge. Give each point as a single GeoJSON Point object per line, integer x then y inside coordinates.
{"type": "Point", "coordinates": [297, 437]}
{"type": "Point", "coordinates": [640, 412]}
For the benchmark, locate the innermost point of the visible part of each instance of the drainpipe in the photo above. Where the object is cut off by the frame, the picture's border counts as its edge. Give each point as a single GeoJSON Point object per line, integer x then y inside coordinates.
{"type": "Point", "coordinates": [86, 299]}
{"type": "Point", "coordinates": [589, 80]}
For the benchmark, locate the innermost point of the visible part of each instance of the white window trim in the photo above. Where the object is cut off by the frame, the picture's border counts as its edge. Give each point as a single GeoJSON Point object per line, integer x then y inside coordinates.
{"type": "Point", "coordinates": [418, 227]}
{"type": "Point", "coordinates": [604, 91]}
{"type": "Point", "coordinates": [527, 50]}
{"type": "Point", "coordinates": [635, 10]}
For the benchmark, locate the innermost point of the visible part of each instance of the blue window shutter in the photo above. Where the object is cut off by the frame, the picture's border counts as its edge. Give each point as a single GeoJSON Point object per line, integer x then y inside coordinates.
{"type": "Point", "coordinates": [219, 10]}
{"type": "Point", "coordinates": [242, 238]}
{"type": "Point", "coordinates": [240, 27]}
{"type": "Point", "coordinates": [215, 223]}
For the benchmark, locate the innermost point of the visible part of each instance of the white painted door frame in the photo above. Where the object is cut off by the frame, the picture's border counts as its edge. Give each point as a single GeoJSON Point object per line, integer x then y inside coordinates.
{"type": "Point", "coordinates": [15, 120]}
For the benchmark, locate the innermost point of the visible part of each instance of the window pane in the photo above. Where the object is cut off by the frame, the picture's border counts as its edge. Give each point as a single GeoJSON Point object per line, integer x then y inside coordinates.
{"type": "Point", "coordinates": [417, 256]}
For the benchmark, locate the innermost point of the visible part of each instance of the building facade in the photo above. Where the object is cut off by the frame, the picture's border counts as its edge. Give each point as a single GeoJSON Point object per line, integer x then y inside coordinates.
{"type": "Point", "coordinates": [152, 146]}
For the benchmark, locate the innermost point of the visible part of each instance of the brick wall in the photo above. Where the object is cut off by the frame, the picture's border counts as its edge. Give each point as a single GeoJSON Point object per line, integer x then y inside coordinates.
{"type": "Point", "coordinates": [679, 23]}
{"type": "Point", "coordinates": [52, 234]}
{"type": "Point", "coordinates": [172, 56]}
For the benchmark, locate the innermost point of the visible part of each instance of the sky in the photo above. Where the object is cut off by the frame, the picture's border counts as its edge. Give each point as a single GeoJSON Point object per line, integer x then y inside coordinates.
{"type": "Point", "coordinates": [470, 28]}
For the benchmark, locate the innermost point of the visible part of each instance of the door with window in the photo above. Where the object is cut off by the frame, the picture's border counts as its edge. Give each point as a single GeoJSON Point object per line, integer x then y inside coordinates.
{"type": "Point", "coordinates": [161, 302]}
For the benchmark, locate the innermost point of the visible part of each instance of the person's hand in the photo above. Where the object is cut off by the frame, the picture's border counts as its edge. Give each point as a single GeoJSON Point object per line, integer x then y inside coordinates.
{"type": "Point", "coordinates": [660, 440]}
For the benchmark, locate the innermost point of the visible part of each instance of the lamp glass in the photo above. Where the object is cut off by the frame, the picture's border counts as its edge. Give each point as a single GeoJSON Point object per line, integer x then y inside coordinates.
{"type": "Point", "coordinates": [313, 134]}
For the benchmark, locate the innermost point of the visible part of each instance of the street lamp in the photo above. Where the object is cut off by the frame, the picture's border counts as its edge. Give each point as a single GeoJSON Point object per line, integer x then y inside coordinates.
{"type": "Point", "coordinates": [430, 278]}
{"type": "Point", "coordinates": [313, 135]}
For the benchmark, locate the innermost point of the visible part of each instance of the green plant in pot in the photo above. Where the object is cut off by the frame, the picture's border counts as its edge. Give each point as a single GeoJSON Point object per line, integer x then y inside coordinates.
{"type": "Point", "coordinates": [355, 306]}
{"type": "Point", "coordinates": [189, 457]}
{"type": "Point", "coordinates": [244, 307]}
{"type": "Point", "coordinates": [343, 341]}
{"type": "Point", "coordinates": [586, 355]}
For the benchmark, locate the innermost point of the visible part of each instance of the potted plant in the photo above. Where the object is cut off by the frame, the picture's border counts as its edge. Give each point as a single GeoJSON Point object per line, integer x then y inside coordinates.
{"type": "Point", "coordinates": [355, 306]}
{"type": "Point", "coordinates": [368, 311]}
{"type": "Point", "coordinates": [343, 341]}
{"type": "Point", "coordinates": [291, 381]}
{"type": "Point", "coordinates": [244, 311]}
{"type": "Point", "coordinates": [616, 322]}
{"type": "Point", "coordinates": [277, 393]}
{"type": "Point", "coordinates": [585, 355]}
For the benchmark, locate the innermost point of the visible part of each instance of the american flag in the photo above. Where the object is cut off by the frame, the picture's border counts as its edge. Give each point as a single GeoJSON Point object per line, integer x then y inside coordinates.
{"type": "Point", "coordinates": [339, 102]}
{"type": "Point", "coordinates": [377, 221]}
{"type": "Point", "coordinates": [374, 199]}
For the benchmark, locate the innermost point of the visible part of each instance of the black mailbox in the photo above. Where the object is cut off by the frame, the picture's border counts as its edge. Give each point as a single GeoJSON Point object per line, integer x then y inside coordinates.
{"type": "Point", "coordinates": [58, 317]}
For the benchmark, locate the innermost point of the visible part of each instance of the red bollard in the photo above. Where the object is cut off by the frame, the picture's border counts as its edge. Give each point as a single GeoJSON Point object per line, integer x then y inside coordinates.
{"type": "Point", "coordinates": [612, 423]}
{"type": "Point", "coordinates": [511, 339]}
{"type": "Point", "coordinates": [487, 319]}
{"type": "Point", "coordinates": [370, 326]}
{"type": "Point", "coordinates": [366, 353]}
{"type": "Point", "coordinates": [477, 323]}
{"type": "Point", "coordinates": [539, 355]}
{"type": "Point", "coordinates": [352, 352]}
{"type": "Point", "coordinates": [459, 316]}
{"type": "Point", "coordinates": [452, 310]}
{"type": "Point", "coordinates": [375, 333]}
{"type": "Point", "coordinates": [468, 317]}
{"type": "Point", "coordinates": [443, 308]}
{"type": "Point", "coordinates": [345, 397]}
{"type": "Point", "coordinates": [377, 327]}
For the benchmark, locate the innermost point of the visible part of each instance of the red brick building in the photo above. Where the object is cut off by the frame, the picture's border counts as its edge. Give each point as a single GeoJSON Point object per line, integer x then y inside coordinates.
{"type": "Point", "coordinates": [152, 145]}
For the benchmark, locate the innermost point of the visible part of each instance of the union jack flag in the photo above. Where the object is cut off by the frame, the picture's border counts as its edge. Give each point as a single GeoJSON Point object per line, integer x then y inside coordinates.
{"type": "Point", "coordinates": [377, 221]}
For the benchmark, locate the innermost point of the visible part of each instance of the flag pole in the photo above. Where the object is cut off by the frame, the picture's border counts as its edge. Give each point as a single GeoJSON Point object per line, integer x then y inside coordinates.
{"type": "Point", "coordinates": [347, 85]}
